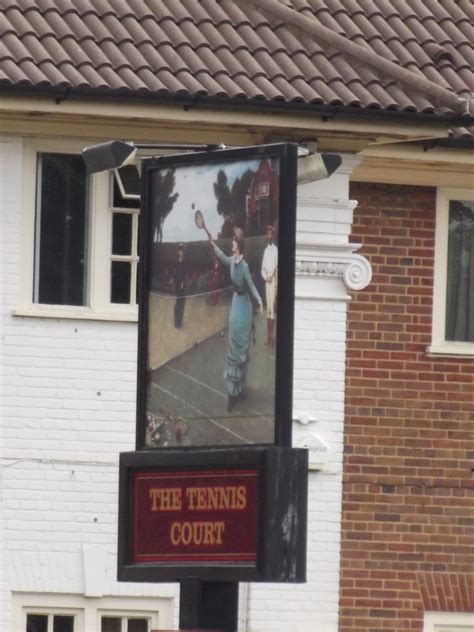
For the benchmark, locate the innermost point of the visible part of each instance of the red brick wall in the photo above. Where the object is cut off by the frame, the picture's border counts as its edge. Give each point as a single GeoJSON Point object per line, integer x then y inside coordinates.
{"type": "Point", "coordinates": [407, 543]}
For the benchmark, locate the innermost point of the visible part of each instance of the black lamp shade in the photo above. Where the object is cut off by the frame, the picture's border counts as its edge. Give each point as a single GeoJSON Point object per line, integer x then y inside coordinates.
{"type": "Point", "coordinates": [110, 155]}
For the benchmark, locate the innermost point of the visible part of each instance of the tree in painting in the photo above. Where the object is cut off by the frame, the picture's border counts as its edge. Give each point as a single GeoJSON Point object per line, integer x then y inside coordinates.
{"type": "Point", "coordinates": [165, 199]}
{"type": "Point", "coordinates": [232, 201]}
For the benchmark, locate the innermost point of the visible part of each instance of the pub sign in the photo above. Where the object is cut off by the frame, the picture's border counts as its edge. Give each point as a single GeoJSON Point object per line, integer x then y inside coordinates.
{"type": "Point", "coordinates": [214, 490]}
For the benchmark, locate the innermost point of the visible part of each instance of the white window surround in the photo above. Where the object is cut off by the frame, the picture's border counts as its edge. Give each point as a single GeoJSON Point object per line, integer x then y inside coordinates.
{"type": "Point", "coordinates": [88, 611]}
{"type": "Point", "coordinates": [99, 241]}
{"type": "Point", "coordinates": [448, 622]}
{"type": "Point", "coordinates": [19, 621]}
{"type": "Point", "coordinates": [439, 345]}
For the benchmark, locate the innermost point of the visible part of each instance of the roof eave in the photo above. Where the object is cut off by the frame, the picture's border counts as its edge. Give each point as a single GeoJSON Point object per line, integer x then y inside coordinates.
{"type": "Point", "coordinates": [187, 101]}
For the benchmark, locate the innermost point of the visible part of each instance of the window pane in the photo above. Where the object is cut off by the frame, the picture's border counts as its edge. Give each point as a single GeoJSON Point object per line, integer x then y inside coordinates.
{"type": "Point", "coordinates": [61, 230]}
{"type": "Point", "coordinates": [460, 276]}
{"type": "Point", "coordinates": [36, 623]}
{"type": "Point", "coordinates": [63, 623]}
{"type": "Point", "coordinates": [117, 199]}
{"type": "Point", "coordinates": [122, 234]}
{"type": "Point", "coordinates": [137, 625]}
{"type": "Point", "coordinates": [110, 624]}
{"type": "Point", "coordinates": [121, 277]}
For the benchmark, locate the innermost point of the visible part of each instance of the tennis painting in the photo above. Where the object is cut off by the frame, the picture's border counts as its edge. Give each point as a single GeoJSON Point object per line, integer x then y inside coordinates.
{"type": "Point", "coordinates": [212, 298]}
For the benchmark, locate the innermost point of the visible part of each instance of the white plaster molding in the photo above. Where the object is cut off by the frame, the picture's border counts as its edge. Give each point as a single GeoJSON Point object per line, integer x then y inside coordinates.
{"type": "Point", "coordinates": [349, 163]}
{"type": "Point", "coordinates": [315, 201]}
{"type": "Point", "coordinates": [337, 261]}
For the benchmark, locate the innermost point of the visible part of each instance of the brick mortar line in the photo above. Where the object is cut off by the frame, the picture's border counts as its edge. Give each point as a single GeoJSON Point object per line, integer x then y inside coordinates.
{"type": "Point", "coordinates": [13, 461]}
{"type": "Point", "coordinates": [400, 485]}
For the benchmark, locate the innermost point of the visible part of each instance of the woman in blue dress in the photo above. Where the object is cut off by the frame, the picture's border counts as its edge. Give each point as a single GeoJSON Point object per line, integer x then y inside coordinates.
{"type": "Point", "coordinates": [240, 317]}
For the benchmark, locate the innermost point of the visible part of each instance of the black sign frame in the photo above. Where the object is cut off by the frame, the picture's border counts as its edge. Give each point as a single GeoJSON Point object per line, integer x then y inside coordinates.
{"type": "Point", "coordinates": [281, 515]}
{"type": "Point", "coordinates": [286, 153]}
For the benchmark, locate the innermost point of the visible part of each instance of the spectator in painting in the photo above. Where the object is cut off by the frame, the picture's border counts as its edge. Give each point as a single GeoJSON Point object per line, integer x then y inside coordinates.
{"type": "Point", "coordinates": [213, 283]}
{"type": "Point", "coordinates": [269, 274]}
{"type": "Point", "coordinates": [178, 281]}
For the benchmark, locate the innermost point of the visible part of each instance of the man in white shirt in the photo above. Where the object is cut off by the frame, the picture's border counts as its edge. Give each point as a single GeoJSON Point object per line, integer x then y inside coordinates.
{"type": "Point", "coordinates": [269, 274]}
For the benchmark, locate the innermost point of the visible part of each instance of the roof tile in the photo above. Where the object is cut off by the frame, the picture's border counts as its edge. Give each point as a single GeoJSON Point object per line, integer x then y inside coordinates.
{"type": "Point", "coordinates": [92, 78]}
{"type": "Point", "coordinates": [228, 87]}
{"type": "Point", "coordinates": [96, 55]}
{"type": "Point", "coordinates": [135, 30]}
{"type": "Point", "coordinates": [38, 24]}
{"type": "Point", "coordinates": [18, 22]}
{"type": "Point", "coordinates": [13, 70]}
{"type": "Point", "coordinates": [72, 75]}
{"type": "Point", "coordinates": [133, 56]}
{"type": "Point", "coordinates": [55, 51]}
{"type": "Point", "coordinates": [33, 73]}
{"type": "Point", "coordinates": [287, 90]}
{"type": "Point", "coordinates": [153, 57]}
{"type": "Point", "coordinates": [18, 50]}
{"type": "Point", "coordinates": [78, 26]}
{"type": "Point", "coordinates": [194, 9]}
{"type": "Point", "coordinates": [116, 29]}
{"type": "Point", "coordinates": [139, 9]}
{"type": "Point", "coordinates": [228, 50]}
{"type": "Point", "coordinates": [58, 25]}
{"type": "Point", "coordinates": [76, 52]}
{"type": "Point", "coordinates": [97, 27]}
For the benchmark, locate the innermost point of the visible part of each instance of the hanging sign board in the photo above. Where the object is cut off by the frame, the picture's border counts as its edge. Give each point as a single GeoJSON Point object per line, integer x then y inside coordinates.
{"type": "Point", "coordinates": [195, 515]}
{"type": "Point", "coordinates": [214, 490]}
{"type": "Point", "coordinates": [216, 298]}
{"type": "Point", "coordinates": [220, 515]}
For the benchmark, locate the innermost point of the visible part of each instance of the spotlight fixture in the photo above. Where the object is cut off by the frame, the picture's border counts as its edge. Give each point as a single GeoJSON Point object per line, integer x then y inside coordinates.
{"type": "Point", "coordinates": [313, 167]}
{"type": "Point", "coordinates": [114, 154]}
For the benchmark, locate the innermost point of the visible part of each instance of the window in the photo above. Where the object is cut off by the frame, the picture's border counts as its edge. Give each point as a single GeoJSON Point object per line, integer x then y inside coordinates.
{"type": "Point", "coordinates": [448, 622]}
{"type": "Point", "coordinates": [124, 258]}
{"type": "Point", "coordinates": [49, 622]}
{"type": "Point", "coordinates": [60, 230]}
{"type": "Point", "coordinates": [453, 304]}
{"type": "Point", "coordinates": [124, 624]}
{"type": "Point", "coordinates": [36, 612]}
{"type": "Point", "coordinates": [81, 237]}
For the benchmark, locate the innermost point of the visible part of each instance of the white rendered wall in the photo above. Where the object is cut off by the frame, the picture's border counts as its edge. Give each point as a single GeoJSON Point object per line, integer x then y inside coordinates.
{"type": "Point", "coordinates": [68, 411]}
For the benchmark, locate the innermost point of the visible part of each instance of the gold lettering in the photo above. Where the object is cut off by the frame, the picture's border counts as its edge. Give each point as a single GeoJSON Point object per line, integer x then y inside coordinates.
{"type": "Point", "coordinates": [196, 533]}
{"type": "Point", "coordinates": [175, 533]}
{"type": "Point", "coordinates": [216, 498]}
{"type": "Point", "coordinates": [186, 533]}
{"type": "Point", "coordinates": [219, 527]}
{"type": "Point", "coordinates": [241, 497]}
{"type": "Point", "coordinates": [201, 498]}
{"type": "Point", "coordinates": [224, 502]}
{"type": "Point", "coordinates": [165, 499]}
{"type": "Point", "coordinates": [213, 497]}
{"type": "Point", "coordinates": [153, 493]}
{"type": "Point", "coordinates": [190, 494]}
{"type": "Point", "coordinates": [209, 533]}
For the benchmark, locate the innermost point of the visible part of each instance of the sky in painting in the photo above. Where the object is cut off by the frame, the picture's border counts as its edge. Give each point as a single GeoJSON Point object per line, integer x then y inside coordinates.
{"type": "Point", "coordinates": [195, 186]}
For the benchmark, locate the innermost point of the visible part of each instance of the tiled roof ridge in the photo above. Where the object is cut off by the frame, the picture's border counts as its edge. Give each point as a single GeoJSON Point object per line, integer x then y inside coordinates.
{"type": "Point", "coordinates": [331, 38]}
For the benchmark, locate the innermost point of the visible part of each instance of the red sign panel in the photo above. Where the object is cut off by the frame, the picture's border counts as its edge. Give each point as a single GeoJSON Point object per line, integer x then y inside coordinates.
{"type": "Point", "coordinates": [195, 516]}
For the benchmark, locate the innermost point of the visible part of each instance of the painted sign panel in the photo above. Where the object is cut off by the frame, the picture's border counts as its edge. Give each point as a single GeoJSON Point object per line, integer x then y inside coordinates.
{"type": "Point", "coordinates": [195, 516]}
{"type": "Point", "coordinates": [217, 274]}
{"type": "Point", "coordinates": [228, 514]}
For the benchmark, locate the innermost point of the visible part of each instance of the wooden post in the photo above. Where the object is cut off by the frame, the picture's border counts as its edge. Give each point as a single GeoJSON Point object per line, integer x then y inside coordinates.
{"type": "Point", "coordinates": [211, 606]}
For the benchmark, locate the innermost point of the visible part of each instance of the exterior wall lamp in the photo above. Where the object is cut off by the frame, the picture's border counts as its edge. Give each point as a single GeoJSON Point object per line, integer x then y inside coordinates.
{"type": "Point", "coordinates": [115, 154]}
